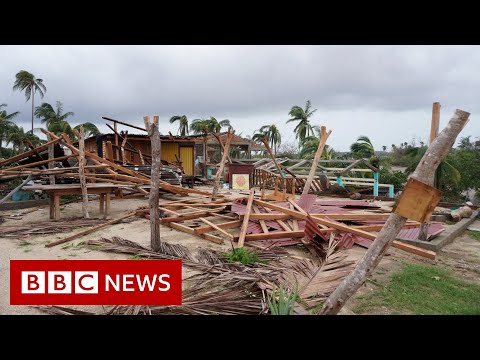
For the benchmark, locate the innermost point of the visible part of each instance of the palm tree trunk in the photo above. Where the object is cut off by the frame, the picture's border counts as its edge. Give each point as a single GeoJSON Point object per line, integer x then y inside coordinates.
{"type": "Point", "coordinates": [33, 105]}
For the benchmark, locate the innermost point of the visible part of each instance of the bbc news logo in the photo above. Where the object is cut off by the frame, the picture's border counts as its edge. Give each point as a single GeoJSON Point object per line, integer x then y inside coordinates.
{"type": "Point", "coordinates": [95, 282]}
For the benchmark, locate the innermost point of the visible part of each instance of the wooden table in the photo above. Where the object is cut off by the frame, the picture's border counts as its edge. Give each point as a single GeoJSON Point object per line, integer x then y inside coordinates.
{"type": "Point", "coordinates": [56, 191]}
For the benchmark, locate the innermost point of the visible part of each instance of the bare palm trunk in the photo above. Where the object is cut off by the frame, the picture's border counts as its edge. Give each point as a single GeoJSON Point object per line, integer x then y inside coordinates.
{"type": "Point", "coordinates": [33, 104]}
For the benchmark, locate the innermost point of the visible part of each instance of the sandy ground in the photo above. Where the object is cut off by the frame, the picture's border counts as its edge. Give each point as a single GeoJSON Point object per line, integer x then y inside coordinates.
{"type": "Point", "coordinates": [458, 254]}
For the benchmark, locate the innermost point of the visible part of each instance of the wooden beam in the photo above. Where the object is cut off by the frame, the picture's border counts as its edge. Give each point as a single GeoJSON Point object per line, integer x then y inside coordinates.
{"type": "Point", "coordinates": [188, 216]}
{"type": "Point", "coordinates": [124, 158]}
{"type": "Point", "coordinates": [427, 166]}
{"type": "Point", "coordinates": [26, 166]}
{"type": "Point", "coordinates": [51, 157]}
{"type": "Point", "coordinates": [222, 147]}
{"type": "Point", "coordinates": [273, 235]}
{"type": "Point", "coordinates": [226, 149]}
{"type": "Point", "coordinates": [28, 153]}
{"type": "Point", "coordinates": [263, 225]}
{"type": "Point", "coordinates": [89, 231]}
{"type": "Point", "coordinates": [219, 229]}
{"type": "Point", "coordinates": [191, 231]}
{"type": "Point", "coordinates": [109, 152]}
{"type": "Point", "coordinates": [246, 218]}
{"type": "Point", "coordinates": [321, 145]}
{"type": "Point", "coordinates": [292, 213]}
{"type": "Point", "coordinates": [124, 123]}
{"type": "Point", "coordinates": [267, 146]}
{"type": "Point", "coordinates": [225, 225]}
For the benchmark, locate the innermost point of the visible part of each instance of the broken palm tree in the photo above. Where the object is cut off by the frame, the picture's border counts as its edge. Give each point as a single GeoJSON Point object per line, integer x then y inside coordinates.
{"type": "Point", "coordinates": [423, 173]}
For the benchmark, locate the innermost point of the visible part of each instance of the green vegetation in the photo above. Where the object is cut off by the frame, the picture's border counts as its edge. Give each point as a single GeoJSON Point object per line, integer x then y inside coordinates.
{"type": "Point", "coordinates": [242, 255]}
{"type": "Point", "coordinates": [211, 125]}
{"type": "Point", "coordinates": [280, 302]}
{"type": "Point", "coordinates": [29, 84]}
{"type": "Point", "coordinates": [302, 116]}
{"type": "Point", "coordinates": [272, 133]}
{"type": "Point", "coordinates": [423, 289]}
{"type": "Point", "coordinates": [474, 234]}
{"type": "Point", "coordinates": [183, 124]}
{"type": "Point", "coordinates": [136, 257]}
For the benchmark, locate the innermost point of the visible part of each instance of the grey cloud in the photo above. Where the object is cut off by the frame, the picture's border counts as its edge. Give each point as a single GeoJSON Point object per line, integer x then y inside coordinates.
{"type": "Point", "coordinates": [251, 84]}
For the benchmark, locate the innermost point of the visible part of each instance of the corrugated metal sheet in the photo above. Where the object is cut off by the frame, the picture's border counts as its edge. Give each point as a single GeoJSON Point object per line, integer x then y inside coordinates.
{"type": "Point", "coordinates": [186, 157]}
{"type": "Point", "coordinates": [168, 152]}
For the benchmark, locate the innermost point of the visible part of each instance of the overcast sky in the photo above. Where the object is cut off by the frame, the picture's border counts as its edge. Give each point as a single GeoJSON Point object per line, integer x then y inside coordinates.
{"type": "Point", "coordinates": [384, 92]}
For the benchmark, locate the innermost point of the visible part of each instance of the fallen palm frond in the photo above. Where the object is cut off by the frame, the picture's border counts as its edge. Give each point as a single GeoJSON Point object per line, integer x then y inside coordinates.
{"type": "Point", "coordinates": [47, 227]}
{"type": "Point", "coordinates": [122, 246]}
{"type": "Point", "coordinates": [60, 310]}
{"type": "Point", "coordinates": [221, 287]}
{"type": "Point", "coordinates": [317, 282]}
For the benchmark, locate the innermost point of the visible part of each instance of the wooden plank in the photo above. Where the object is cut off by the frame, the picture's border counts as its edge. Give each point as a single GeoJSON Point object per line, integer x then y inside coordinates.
{"type": "Point", "coordinates": [89, 231]}
{"type": "Point", "coordinates": [109, 151]}
{"type": "Point", "coordinates": [189, 216]}
{"type": "Point", "coordinates": [191, 231]}
{"type": "Point", "coordinates": [267, 146]}
{"type": "Point", "coordinates": [124, 123]}
{"type": "Point", "coordinates": [248, 210]}
{"type": "Point", "coordinates": [414, 249]}
{"type": "Point", "coordinates": [273, 235]}
{"type": "Point", "coordinates": [26, 166]}
{"type": "Point", "coordinates": [417, 201]}
{"type": "Point", "coordinates": [124, 158]}
{"type": "Point", "coordinates": [292, 213]}
{"type": "Point", "coordinates": [323, 140]}
{"type": "Point", "coordinates": [219, 229]}
{"type": "Point", "coordinates": [28, 153]}
{"type": "Point", "coordinates": [226, 149]}
{"type": "Point", "coordinates": [225, 225]}
{"type": "Point", "coordinates": [263, 225]}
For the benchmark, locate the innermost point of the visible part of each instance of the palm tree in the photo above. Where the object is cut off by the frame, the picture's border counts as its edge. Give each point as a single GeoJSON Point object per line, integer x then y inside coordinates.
{"type": "Point", "coordinates": [55, 120]}
{"type": "Point", "coordinates": [17, 136]}
{"type": "Point", "coordinates": [25, 81]}
{"type": "Point", "coordinates": [303, 129]}
{"type": "Point", "coordinates": [211, 125]}
{"type": "Point", "coordinates": [183, 124]}
{"type": "Point", "coordinates": [310, 146]}
{"type": "Point", "coordinates": [363, 148]}
{"type": "Point", "coordinates": [445, 172]}
{"type": "Point", "coordinates": [465, 143]}
{"type": "Point", "coordinates": [272, 133]}
{"type": "Point", "coordinates": [90, 129]}
{"type": "Point", "coordinates": [5, 123]}
{"type": "Point", "coordinates": [384, 148]}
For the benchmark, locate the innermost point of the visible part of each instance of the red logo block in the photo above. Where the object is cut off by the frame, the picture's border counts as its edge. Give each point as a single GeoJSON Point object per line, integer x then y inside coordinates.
{"type": "Point", "coordinates": [95, 282]}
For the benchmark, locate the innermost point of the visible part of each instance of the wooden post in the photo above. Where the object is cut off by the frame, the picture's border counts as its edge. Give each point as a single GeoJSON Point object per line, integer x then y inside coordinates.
{"type": "Point", "coordinates": [226, 149]}
{"type": "Point", "coordinates": [124, 158]}
{"type": "Point", "coordinates": [424, 171]}
{"type": "Point", "coordinates": [116, 141]}
{"type": "Point", "coordinates": [265, 142]}
{"type": "Point", "coordinates": [155, 241]}
{"type": "Point", "coordinates": [423, 233]}
{"type": "Point", "coordinates": [246, 219]}
{"type": "Point", "coordinates": [205, 154]}
{"type": "Point", "coordinates": [321, 145]}
{"type": "Point", "coordinates": [51, 155]}
{"type": "Point", "coordinates": [81, 171]}
{"type": "Point", "coordinates": [222, 147]}
{"type": "Point", "coordinates": [141, 157]}
{"type": "Point", "coordinates": [109, 151]}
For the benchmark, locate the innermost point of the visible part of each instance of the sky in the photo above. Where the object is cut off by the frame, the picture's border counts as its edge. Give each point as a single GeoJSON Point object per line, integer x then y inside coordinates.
{"type": "Point", "coordinates": [383, 92]}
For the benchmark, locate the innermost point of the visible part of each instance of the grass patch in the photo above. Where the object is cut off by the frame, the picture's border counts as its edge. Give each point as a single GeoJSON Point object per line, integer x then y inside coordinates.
{"type": "Point", "coordinates": [474, 234]}
{"type": "Point", "coordinates": [241, 255]}
{"type": "Point", "coordinates": [68, 246]}
{"type": "Point", "coordinates": [27, 250]}
{"type": "Point", "coordinates": [448, 222]}
{"type": "Point", "coordinates": [69, 198]}
{"type": "Point", "coordinates": [24, 243]}
{"type": "Point", "coordinates": [423, 290]}
{"type": "Point", "coordinates": [281, 302]}
{"type": "Point", "coordinates": [136, 257]}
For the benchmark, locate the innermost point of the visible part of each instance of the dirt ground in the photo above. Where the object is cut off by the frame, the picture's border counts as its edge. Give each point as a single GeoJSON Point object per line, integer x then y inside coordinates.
{"type": "Point", "coordinates": [463, 256]}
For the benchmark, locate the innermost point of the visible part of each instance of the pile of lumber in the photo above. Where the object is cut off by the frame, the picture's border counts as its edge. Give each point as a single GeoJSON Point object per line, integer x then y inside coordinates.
{"type": "Point", "coordinates": [266, 224]}
{"type": "Point", "coordinates": [97, 169]}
